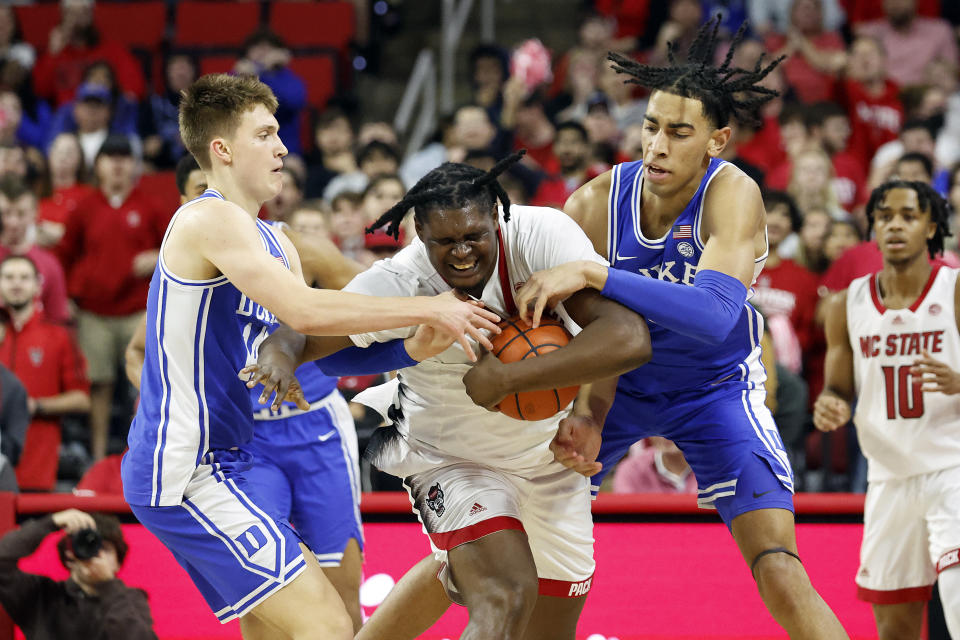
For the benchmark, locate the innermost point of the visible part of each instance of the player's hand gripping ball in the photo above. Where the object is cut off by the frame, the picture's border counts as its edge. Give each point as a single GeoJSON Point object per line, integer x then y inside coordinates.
{"type": "Point", "coordinates": [519, 341]}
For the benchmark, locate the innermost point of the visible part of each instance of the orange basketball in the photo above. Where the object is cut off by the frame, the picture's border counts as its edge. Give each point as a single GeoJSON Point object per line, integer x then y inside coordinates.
{"type": "Point", "coordinates": [519, 341]}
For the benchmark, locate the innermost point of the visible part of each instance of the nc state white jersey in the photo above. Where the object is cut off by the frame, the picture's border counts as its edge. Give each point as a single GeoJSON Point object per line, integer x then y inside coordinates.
{"type": "Point", "coordinates": [439, 423]}
{"type": "Point", "coordinates": [903, 430]}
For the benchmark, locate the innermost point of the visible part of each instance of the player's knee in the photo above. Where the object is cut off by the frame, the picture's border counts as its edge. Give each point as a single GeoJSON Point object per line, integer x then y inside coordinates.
{"type": "Point", "coordinates": [510, 597]}
{"type": "Point", "coordinates": [780, 578]}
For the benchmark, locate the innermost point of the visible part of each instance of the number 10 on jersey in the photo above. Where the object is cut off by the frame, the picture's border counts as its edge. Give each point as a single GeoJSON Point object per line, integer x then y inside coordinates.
{"type": "Point", "coordinates": [900, 387]}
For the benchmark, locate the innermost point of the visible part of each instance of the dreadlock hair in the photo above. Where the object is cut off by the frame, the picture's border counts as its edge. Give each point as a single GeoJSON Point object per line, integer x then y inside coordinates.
{"type": "Point", "coordinates": [452, 185]}
{"type": "Point", "coordinates": [723, 91]}
{"type": "Point", "coordinates": [928, 199]}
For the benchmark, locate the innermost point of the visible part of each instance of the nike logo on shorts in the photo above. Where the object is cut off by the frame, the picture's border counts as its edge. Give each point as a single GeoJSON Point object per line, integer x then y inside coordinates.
{"type": "Point", "coordinates": [757, 495]}
{"type": "Point", "coordinates": [327, 436]}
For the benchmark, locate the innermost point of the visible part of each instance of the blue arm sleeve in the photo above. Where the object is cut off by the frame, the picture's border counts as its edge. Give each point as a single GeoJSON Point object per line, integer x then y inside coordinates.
{"type": "Point", "coordinates": [377, 358]}
{"type": "Point", "coordinates": [707, 311]}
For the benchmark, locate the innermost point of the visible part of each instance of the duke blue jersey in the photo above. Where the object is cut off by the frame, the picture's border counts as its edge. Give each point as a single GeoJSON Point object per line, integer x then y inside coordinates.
{"type": "Point", "coordinates": [200, 333]}
{"type": "Point", "coordinates": [315, 383]}
{"type": "Point", "coordinates": [679, 361]}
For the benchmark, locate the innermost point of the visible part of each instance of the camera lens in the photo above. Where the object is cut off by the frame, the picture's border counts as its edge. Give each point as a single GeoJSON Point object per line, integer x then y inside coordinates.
{"type": "Point", "coordinates": [86, 543]}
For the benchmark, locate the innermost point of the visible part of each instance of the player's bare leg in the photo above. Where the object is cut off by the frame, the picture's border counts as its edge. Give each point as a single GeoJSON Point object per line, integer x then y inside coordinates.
{"type": "Point", "coordinates": [554, 618]}
{"type": "Point", "coordinates": [310, 591]}
{"type": "Point", "coordinates": [902, 621]}
{"type": "Point", "coordinates": [414, 604]}
{"type": "Point", "coordinates": [781, 579]}
{"type": "Point", "coordinates": [346, 580]}
{"type": "Point", "coordinates": [253, 628]}
{"type": "Point", "coordinates": [497, 578]}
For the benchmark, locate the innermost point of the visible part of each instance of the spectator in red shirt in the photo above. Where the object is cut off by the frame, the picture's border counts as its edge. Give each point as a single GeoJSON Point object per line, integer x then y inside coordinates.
{"type": "Point", "coordinates": [786, 293]}
{"type": "Point", "coordinates": [45, 358]}
{"type": "Point", "coordinates": [872, 100]}
{"type": "Point", "coordinates": [806, 39]}
{"type": "Point", "coordinates": [18, 212]}
{"type": "Point", "coordinates": [74, 44]}
{"type": "Point", "coordinates": [829, 125]}
{"type": "Point", "coordinates": [824, 125]}
{"type": "Point", "coordinates": [68, 185]}
{"type": "Point", "coordinates": [572, 149]}
{"type": "Point", "coordinates": [109, 252]}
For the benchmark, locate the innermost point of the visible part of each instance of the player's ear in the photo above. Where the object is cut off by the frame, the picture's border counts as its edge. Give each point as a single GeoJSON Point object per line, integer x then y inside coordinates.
{"type": "Point", "coordinates": [418, 227]}
{"type": "Point", "coordinates": [220, 150]}
{"type": "Point", "coordinates": [718, 140]}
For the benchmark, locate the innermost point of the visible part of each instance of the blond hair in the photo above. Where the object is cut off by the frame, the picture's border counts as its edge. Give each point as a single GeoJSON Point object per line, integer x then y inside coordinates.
{"type": "Point", "coordinates": [212, 107]}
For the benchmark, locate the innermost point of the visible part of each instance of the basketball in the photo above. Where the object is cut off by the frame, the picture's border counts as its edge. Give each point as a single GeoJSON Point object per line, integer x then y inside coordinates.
{"type": "Point", "coordinates": [518, 341]}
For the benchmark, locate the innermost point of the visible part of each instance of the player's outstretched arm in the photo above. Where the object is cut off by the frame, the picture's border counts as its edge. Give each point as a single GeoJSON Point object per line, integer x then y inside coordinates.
{"type": "Point", "coordinates": [709, 310]}
{"type": "Point", "coordinates": [222, 235]}
{"type": "Point", "coordinates": [832, 408]}
{"type": "Point", "coordinates": [614, 340]}
{"type": "Point", "coordinates": [285, 350]}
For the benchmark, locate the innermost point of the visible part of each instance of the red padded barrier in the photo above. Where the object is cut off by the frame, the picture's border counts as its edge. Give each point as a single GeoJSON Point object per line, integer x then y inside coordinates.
{"type": "Point", "coordinates": [388, 502]}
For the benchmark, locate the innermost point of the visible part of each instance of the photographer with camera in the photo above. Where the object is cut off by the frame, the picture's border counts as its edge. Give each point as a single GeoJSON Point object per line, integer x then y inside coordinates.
{"type": "Point", "coordinates": [92, 603]}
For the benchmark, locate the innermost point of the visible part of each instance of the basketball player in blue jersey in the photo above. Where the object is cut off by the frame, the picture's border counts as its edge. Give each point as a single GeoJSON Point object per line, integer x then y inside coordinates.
{"type": "Point", "coordinates": [685, 235]}
{"type": "Point", "coordinates": [306, 457]}
{"type": "Point", "coordinates": [224, 279]}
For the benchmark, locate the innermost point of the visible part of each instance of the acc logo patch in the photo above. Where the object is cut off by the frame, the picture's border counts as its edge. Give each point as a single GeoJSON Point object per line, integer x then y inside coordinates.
{"type": "Point", "coordinates": [685, 249]}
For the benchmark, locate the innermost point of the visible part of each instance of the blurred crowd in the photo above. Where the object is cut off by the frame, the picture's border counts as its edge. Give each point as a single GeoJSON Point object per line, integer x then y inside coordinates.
{"type": "Point", "coordinates": [89, 142]}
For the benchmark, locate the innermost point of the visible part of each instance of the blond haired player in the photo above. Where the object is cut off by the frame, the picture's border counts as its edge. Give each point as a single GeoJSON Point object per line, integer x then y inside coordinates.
{"type": "Point", "coordinates": [223, 281]}
{"type": "Point", "coordinates": [893, 343]}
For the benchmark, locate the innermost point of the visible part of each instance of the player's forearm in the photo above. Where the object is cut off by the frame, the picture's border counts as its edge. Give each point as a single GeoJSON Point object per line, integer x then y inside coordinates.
{"type": "Point", "coordinates": [707, 311]}
{"type": "Point", "coordinates": [606, 347]}
{"type": "Point", "coordinates": [837, 391]}
{"type": "Point", "coordinates": [323, 312]}
{"type": "Point", "coordinates": [596, 398]}
{"type": "Point", "coordinates": [286, 349]}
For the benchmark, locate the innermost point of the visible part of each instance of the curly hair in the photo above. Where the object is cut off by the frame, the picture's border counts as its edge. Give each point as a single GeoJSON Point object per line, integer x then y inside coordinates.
{"type": "Point", "coordinates": [452, 185]}
{"type": "Point", "coordinates": [927, 198]}
{"type": "Point", "coordinates": [723, 91]}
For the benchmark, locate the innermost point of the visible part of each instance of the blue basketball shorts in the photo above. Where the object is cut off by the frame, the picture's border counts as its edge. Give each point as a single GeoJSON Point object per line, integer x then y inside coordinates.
{"type": "Point", "coordinates": [727, 435]}
{"type": "Point", "coordinates": [235, 552]}
{"type": "Point", "coordinates": [307, 471]}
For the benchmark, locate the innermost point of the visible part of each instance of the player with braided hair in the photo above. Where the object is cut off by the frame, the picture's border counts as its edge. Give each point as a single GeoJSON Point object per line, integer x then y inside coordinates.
{"type": "Point", "coordinates": [685, 234]}
{"type": "Point", "coordinates": [511, 525]}
{"type": "Point", "coordinates": [893, 340]}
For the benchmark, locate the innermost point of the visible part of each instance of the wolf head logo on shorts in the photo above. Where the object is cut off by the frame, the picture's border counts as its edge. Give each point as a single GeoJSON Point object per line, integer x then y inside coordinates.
{"type": "Point", "coordinates": [435, 499]}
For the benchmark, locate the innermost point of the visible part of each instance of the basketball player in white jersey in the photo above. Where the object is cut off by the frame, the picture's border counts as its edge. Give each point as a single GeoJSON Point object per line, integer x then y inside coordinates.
{"type": "Point", "coordinates": [512, 525]}
{"type": "Point", "coordinates": [222, 281]}
{"type": "Point", "coordinates": [893, 346]}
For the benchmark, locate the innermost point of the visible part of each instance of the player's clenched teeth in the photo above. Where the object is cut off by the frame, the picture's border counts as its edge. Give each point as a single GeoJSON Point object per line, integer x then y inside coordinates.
{"type": "Point", "coordinates": [464, 267]}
